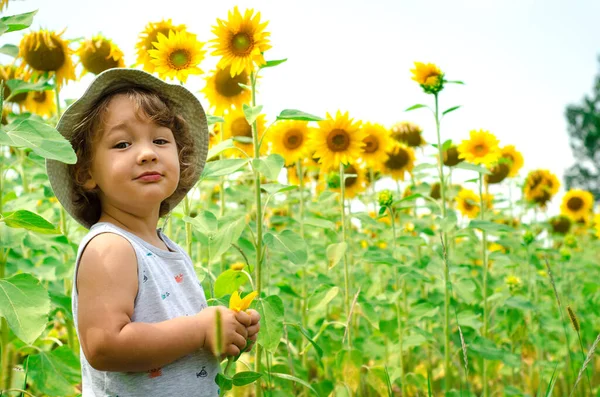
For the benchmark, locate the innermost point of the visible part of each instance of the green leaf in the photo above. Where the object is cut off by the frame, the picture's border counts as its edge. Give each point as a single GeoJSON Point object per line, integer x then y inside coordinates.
{"type": "Point", "coordinates": [290, 244]}
{"type": "Point", "coordinates": [293, 114]}
{"type": "Point", "coordinates": [445, 112]}
{"type": "Point", "coordinates": [271, 322]}
{"type": "Point", "coordinates": [229, 232]}
{"type": "Point", "coordinates": [469, 319]}
{"type": "Point", "coordinates": [417, 106]}
{"type": "Point", "coordinates": [222, 167]}
{"type": "Point", "coordinates": [251, 112]}
{"type": "Point", "coordinates": [25, 304]}
{"type": "Point", "coordinates": [310, 340]}
{"type": "Point", "coordinates": [55, 373]}
{"type": "Point", "coordinates": [335, 252]}
{"type": "Point", "coordinates": [210, 120]}
{"type": "Point", "coordinates": [490, 227]}
{"type": "Point", "coordinates": [271, 64]}
{"type": "Point", "coordinates": [410, 240]}
{"type": "Point", "coordinates": [245, 86]}
{"type": "Point", "coordinates": [274, 188]}
{"type": "Point", "coordinates": [319, 222]}
{"type": "Point", "coordinates": [18, 22]}
{"type": "Point", "coordinates": [44, 140]}
{"type": "Point", "coordinates": [24, 219]}
{"type": "Point", "coordinates": [224, 382]}
{"type": "Point", "coordinates": [228, 282]}
{"type": "Point", "coordinates": [219, 148]}
{"type": "Point", "coordinates": [294, 379]}
{"type": "Point", "coordinates": [245, 378]}
{"type": "Point", "coordinates": [10, 50]}
{"type": "Point", "coordinates": [270, 166]}
{"type": "Point", "coordinates": [448, 223]}
{"type": "Point", "coordinates": [518, 302]}
{"type": "Point", "coordinates": [205, 222]}
{"type": "Point", "coordinates": [20, 87]}
{"type": "Point", "coordinates": [322, 296]}
{"type": "Point", "coordinates": [454, 82]}
{"type": "Point", "coordinates": [472, 167]}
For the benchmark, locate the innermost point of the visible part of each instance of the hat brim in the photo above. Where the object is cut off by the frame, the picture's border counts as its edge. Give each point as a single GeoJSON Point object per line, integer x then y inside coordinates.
{"type": "Point", "coordinates": [183, 101]}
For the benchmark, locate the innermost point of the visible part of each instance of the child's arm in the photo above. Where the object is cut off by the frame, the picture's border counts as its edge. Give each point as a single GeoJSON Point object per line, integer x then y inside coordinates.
{"type": "Point", "coordinates": [107, 283]}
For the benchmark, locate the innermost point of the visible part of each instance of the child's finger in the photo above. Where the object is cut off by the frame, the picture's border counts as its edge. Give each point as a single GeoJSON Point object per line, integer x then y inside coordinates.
{"type": "Point", "coordinates": [244, 318]}
{"type": "Point", "coordinates": [254, 316]}
{"type": "Point", "coordinates": [253, 329]}
{"type": "Point", "coordinates": [241, 330]}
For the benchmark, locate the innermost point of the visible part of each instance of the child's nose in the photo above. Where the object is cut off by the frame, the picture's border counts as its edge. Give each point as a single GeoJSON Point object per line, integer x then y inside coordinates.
{"type": "Point", "coordinates": [147, 154]}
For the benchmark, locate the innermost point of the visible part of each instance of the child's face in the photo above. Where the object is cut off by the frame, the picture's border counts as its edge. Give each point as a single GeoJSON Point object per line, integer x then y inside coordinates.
{"type": "Point", "coordinates": [130, 145]}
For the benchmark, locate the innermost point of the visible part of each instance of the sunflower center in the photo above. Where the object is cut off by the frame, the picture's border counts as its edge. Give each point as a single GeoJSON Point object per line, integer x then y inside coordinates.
{"type": "Point", "coordinates": [350, 181]}
{"type": "Point", "coordinates": [467, 204]}
{"type": "Point", "coordinates": [480, 149]}
{"type": "Point", "coordinates": [240, 127]}
{"type": "Point", "coordinates": [179, 59]}
{"type": "Point", "coordinates": [241, 43]}
{"type": "Point", "coordinates": [293, 139]}
{"type": "Point", "coordinates": [229, 86]}
{"type": "Point", "coordinates": [575, 203]}
{"type": "Point", "coordinates": [372, 144]}
{"type": "Point", "coordinates": [48, 54]}
{"type": "Point", "coordinates": [338, 140]}
{"type": "Point", "coordinates": [397, 161]}
{"type": "Point", "coordinates": [40, 96]}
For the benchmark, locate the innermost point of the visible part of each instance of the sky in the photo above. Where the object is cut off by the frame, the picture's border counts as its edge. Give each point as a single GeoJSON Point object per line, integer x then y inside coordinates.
{"type": "Point", "coordinates": [522, 61]}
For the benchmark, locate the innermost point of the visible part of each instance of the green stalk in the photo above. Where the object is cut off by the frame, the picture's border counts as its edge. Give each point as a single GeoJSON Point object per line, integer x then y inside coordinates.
{"type": "Point", "coordinates": [304, 305]}
{"type": "Point", "coordinates": [259, 232]}
{"type": "Point", "coordinates": [447, 367]}
{"type": "Point", "coordinates": [485, 276]}
{"type": "Point", "coordinates": [398, 303]}
{"type": "Point", "coordinates": [222, 195]}
{"type": "Point", "coordinates": [188, 227]}
{"type": "Point", "coordinates": [372, 176]}
{"type": "Point", "coordinates": [346, 273]}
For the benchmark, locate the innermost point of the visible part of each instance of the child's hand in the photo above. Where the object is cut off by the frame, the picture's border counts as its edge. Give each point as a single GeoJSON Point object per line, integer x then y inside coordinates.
{"type": "Point", "coordinates": [233, 332]}
{"type": "Point", "coordinates": [251, 319]}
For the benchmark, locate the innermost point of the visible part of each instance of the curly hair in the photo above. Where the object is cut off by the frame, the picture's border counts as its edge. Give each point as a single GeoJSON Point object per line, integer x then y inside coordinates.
{"type": "Point", "coordinates": [89, 130]}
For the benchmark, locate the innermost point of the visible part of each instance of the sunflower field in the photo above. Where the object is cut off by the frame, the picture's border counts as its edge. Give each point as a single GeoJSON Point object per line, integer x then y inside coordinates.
{"type": "Point", "coordinates": [375, 272]}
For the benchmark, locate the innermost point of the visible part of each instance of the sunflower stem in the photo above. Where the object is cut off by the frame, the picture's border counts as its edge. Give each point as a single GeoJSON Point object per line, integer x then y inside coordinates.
{"type": "Point", "coordinates": [188, 227]}
{"type": "Point", "coordinates": [304, 306]}
{"type": "Point", "coordinates": [482, 205]}
{"type": "Point", "coordinates": [346, 275]}
{"type": "Point", "coordinates": [372, 177]}
{"type": "Point", "coordinates": [444, 236]}
{"type": "Point", "coordinates": [221, 194]}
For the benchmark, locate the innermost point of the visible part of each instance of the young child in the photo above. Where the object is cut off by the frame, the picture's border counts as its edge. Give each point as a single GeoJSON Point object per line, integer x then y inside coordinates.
{"type": "Point", "coordinates": [139, 310]}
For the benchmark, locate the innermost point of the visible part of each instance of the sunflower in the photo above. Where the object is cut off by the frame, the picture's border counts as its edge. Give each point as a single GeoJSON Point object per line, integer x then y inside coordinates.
{"type": "Point", "coordinates": [177, 56]}
{"type": "Point", "coordinates": [41, 103]}
{"type": "Point", "coordinates": [451, 156]}
{"type": "Point", "coordinates": [223, 91]}
{"type": "Point", "coordinates": [241, 41]}
{"type": "Point", "coordinates": [435, 192]}
{"type": "Point", "coordinates": [236, 126]}
{"type": "Point", "coordinates": [46, 51]}
{"type": "Point", "coordinates": [408, 133]}
{"type": "Point", "coordinates": [10, 72]}
{"type": "Point", "coordinates": [561, 224]}
{"type": "Point", "coordinates": [514, 157]}
{"type": "Point", "coordinates": [499, 172]}
{"type": "Point", "coordinates": [400, 161]}
{"type": "Point", "coordinates": [99, 54]}
{"type": "Point", "coordinates": [353, 185]}
{"type": "Point", "coordinates": [468, 203]}
{"type": "Point", "coordinates": [577, 204]}
{"type": "Point", "coordinates": [377, 143]}
{"type": "Point", "coordinates": [429, 77]}
{"type": "Point", "coordinates": [147, 39]}
{"type": "Point", "coordinates": [540, 186]}
{"type": "Point", "coordinates": [292, 175]}
{"type": "Point", "coordinates": [289, 139]}
{"type": "Point", "coordinates": [337, 141]}
{"type": "Point", "coordinates": [480, 148]}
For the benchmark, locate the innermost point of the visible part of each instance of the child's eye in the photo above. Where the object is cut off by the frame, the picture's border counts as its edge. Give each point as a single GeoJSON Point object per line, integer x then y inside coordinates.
{"type": "Point", "coordinates": [161, 141]}
{"type": "Point", "coordinates": [121, 145]}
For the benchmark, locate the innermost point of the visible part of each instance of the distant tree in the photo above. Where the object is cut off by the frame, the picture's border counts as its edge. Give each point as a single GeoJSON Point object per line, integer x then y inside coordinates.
{"type": "Point", "coordinates": [584, 139]}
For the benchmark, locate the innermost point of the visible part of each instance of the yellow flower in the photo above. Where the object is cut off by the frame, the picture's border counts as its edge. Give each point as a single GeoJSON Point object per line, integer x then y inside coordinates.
{"type": "Point", "coordinates": [336, 141]}
{"type": "Point", "coordinates": [377, 143]}
{"type": "Point", "coordinates": [289, 138]}
{"type": "Point", "coordinates": [577, 203]}
{"type": "Point", "coordinates": [512, 281]}
{"type": "Point", "coordinates": [46, 51]}
{"type": "Point", "coordinates": [177, 56]}
{"type": "Point", "coordinates": [385, 198]}
{"type": "Point", "coordinates": [292, 174]}
{"type": "Point", "coordinates": [514, 157]}
{"type": "Point", "coordinates": [364, 244]}
{"type": "Point", "coordinates": [147, 39]}
{"type": "Point", "coordinates": [480, 148]}
{"type": "Point", "coordinates": [400, 161]}
{"type": "Point", "coordinates": [499, 172]}
{"type": "Point", "coordinates": [99, 54]}
{"type": "Point", "coordinates": [597, 225]}
{"type": "Point", "coordinates": [236, 126]}
{"type": "Point", "coordinates": [540, 186]}
{"type": "Point", "coordinates": [354, 184]}
{"type": "Point", "coordinates": [236, 303]}
{"type": "Point", "coordinates": [429, 77]}
{"type": "Point", "coordinates": [468, 203]}
{"type": "Point", "coordinates": [451, 156]}
{"type": "Point", "coordinates": [41, 103]}
{"type": "Point", "coordinates": [497, 247]}
{"type": "Point", "coordinates": [382, 245]}
{"type": "Point", "coordinates": [10, 72]}
{"type": "Point", "coordinates": [223, 91]}
{"type": "Point", "coordinates": [408, 133]}
{"type": "Point", "coordinates": [241, 41]}
{"type": "Point", "coordinates": [237, 266]}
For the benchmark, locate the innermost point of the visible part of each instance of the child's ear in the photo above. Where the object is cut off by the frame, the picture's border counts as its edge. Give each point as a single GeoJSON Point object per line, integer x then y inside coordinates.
{"type": "Point", "coordinates": [90, 184]}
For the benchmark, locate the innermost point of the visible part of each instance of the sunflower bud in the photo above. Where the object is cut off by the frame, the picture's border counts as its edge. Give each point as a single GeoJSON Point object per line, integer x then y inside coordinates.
{"type": "Point", "coordinates": [499, 173]}
{"type": "Point", "coordinates": [385, 198]}
{"type": "Point", "coordinates": [560, 224]}
{"type": "Point", "coordinates": [528, 238]}
{"type": "Point", "coordinates": [429, 77]}
{"type": "Point", "coordinates": [435, 192]}
{"type": "Point", "coordinates": [237, 266]}
{"type": "Point", "coordinates": [451, 157]}
{"type": "Point", "coordinates": [570, 241]}
{"type": "Point", "coordinates": [565, 254]}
